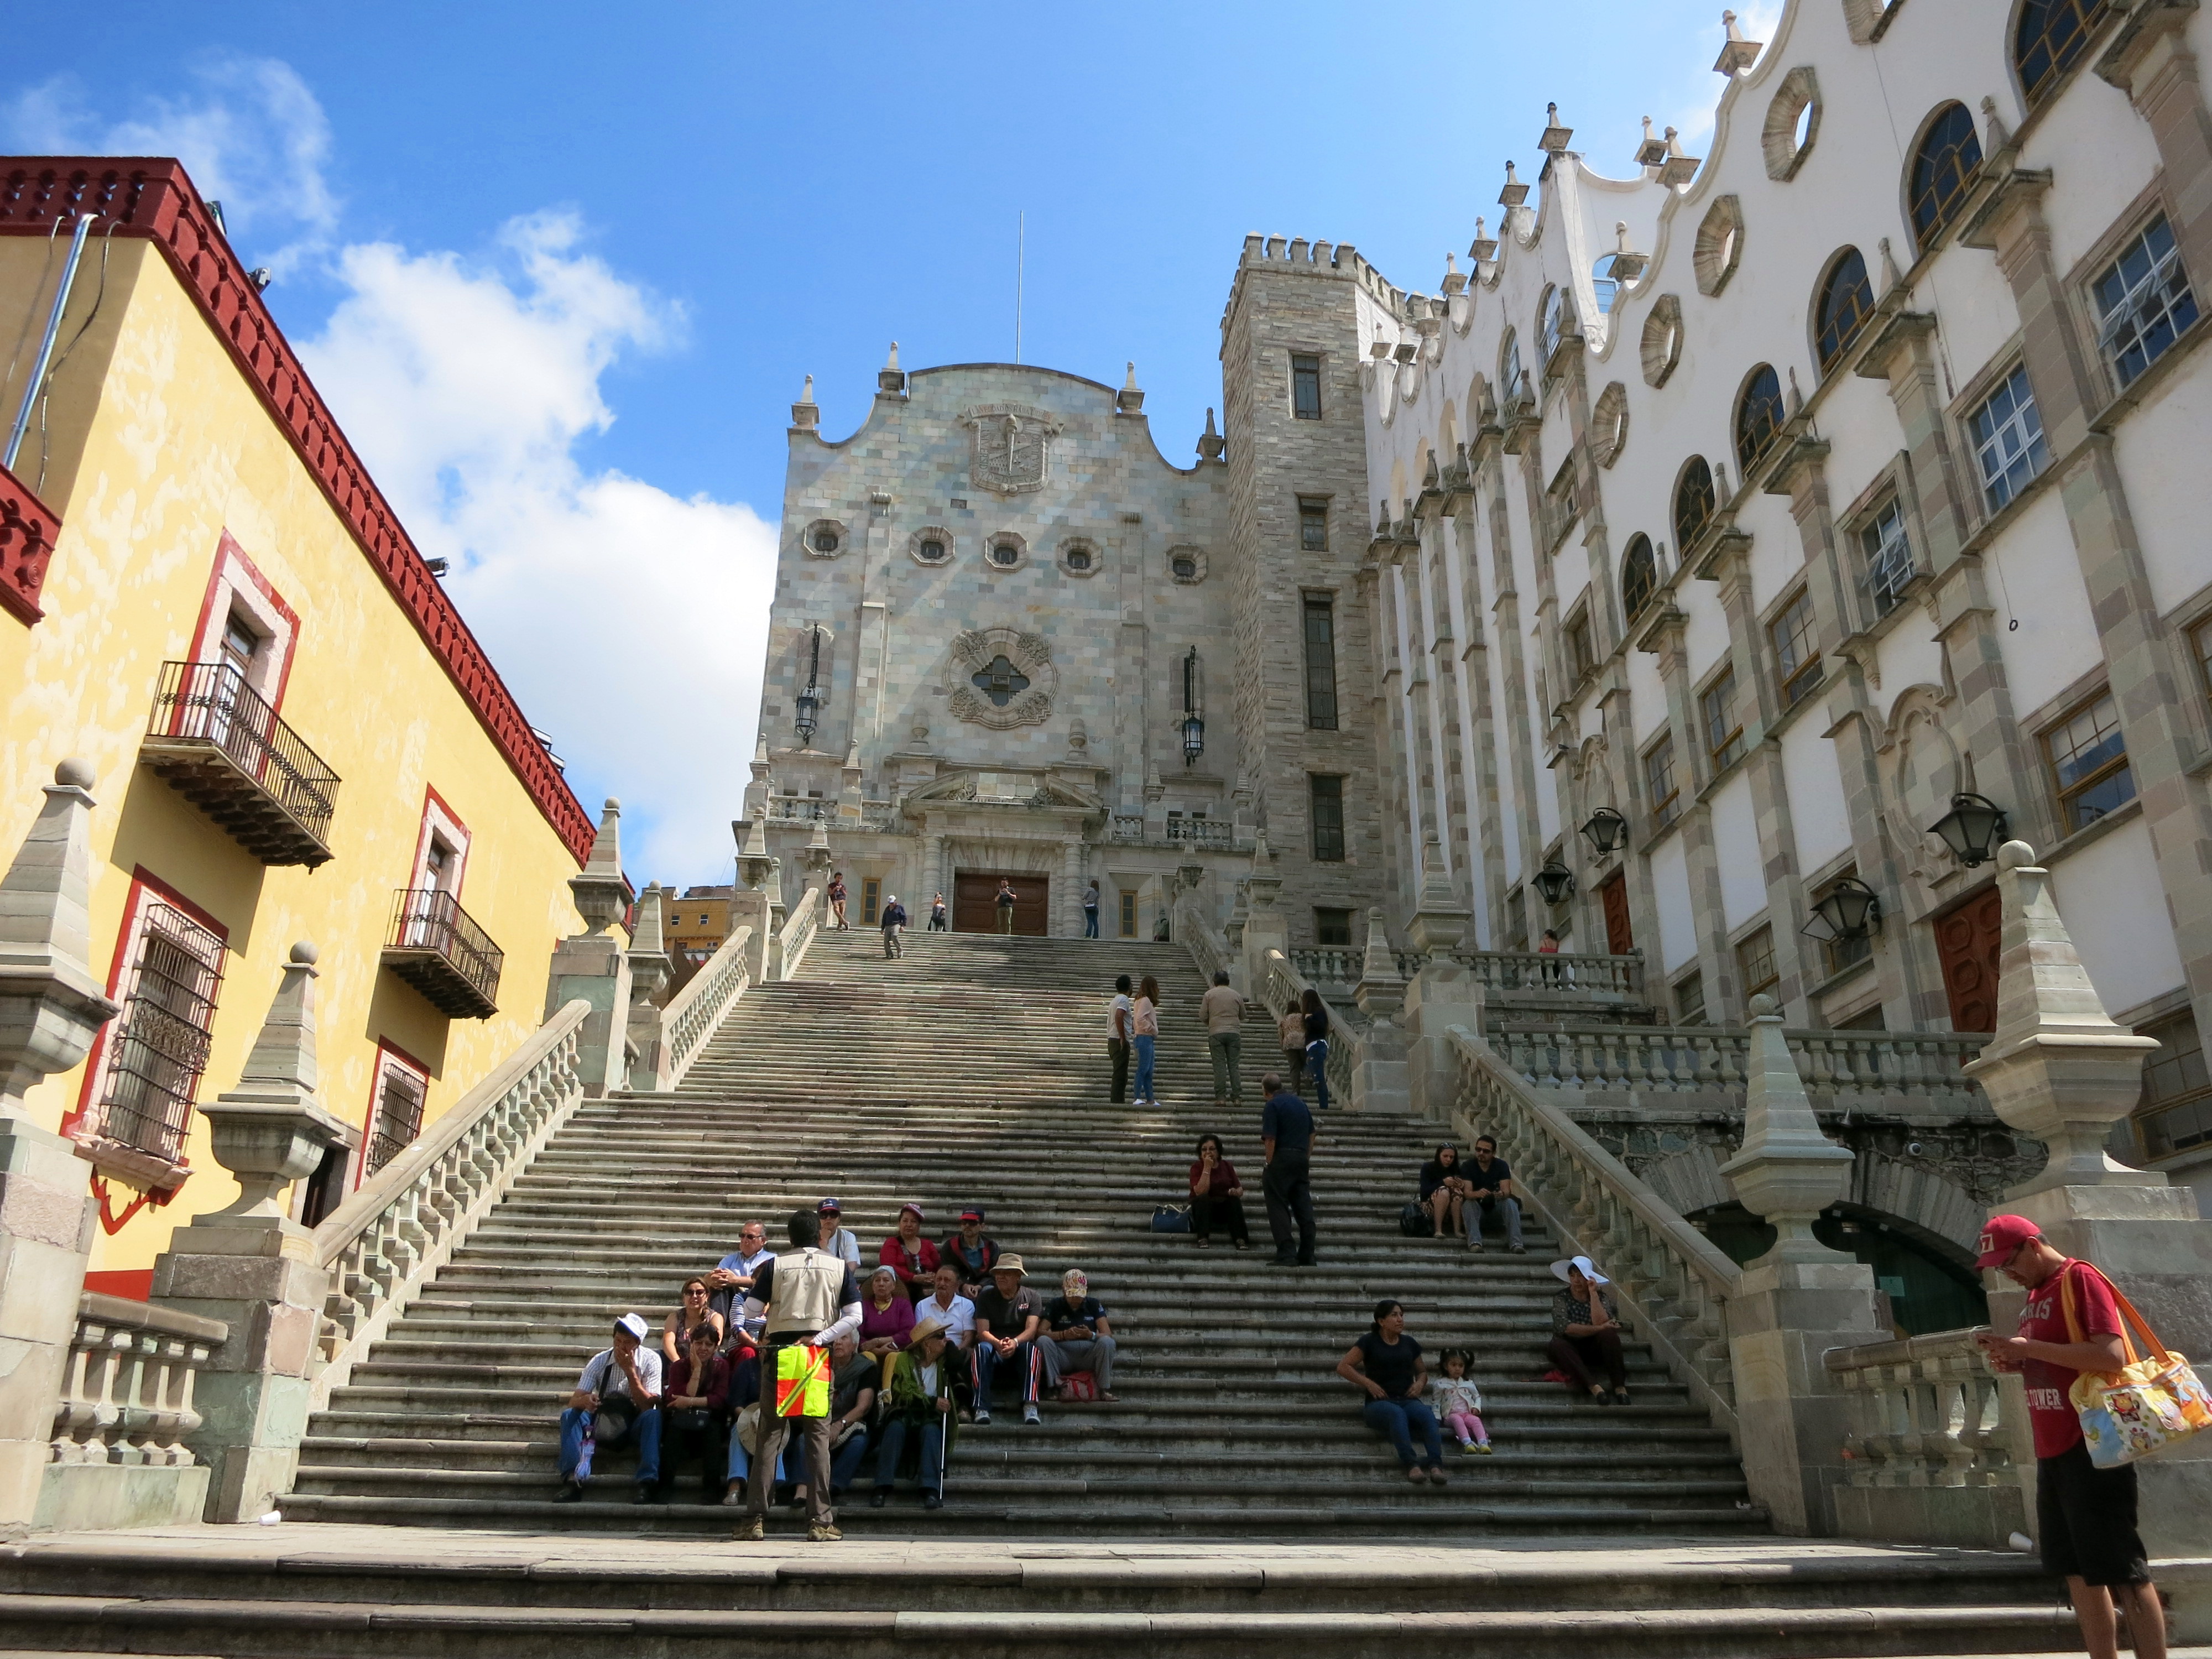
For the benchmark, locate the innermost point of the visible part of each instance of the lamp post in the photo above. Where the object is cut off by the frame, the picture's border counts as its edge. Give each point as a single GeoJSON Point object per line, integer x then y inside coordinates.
{"type": "Point", "coordinates": [1555, 882]}
{"type": "Point", "coordinates": [807, 706]}
{"type": "Point", "coordinates": [1606, 830]}
{"type": "Point", "coordinates": [1193, 728]}
{"type": "Point", "coordinates": [1851, 909]}
{"type": "Point", "coordinates": [1974, 828]}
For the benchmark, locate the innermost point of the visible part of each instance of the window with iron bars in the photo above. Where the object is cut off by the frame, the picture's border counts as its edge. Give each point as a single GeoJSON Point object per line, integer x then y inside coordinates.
{"type": "Point", "coordinates": [161, 1037]}
{"type": "Point", "coordinates": [401, 1092]}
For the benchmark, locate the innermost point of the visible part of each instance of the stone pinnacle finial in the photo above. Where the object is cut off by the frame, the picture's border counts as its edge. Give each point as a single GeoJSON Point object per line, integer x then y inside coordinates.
{"type": "Point", "coordinates": [1796, 396]}
{"type": "Point", "coordinates": [808, 395]}
{"type": "Point", "coordinates": [1129, 400]}
{"type": "Point", "coordinates": [272, 1129]}
{"type": "Point", "coordinates": [1451, 262]}
{"type": "Point", "coordinates": [602, 894]}
{"type": "Point", "coordinates": [805, 413]}
{"type": "Point", "coordinates": [1211, 444]}
{"type": "Point", "coordinates": [1999, 135]}
{"type": "Point", "coordinates": [1736, 52]}
{"type": "Point", "coordinates": [50, 1007]}
{"type": "Point", "coordinates": [891, 362]}
{"type": "Point", "coordinates": [1786, 1171]}
{"type": "Point", "coordinates": [1620, 235]}
{"type": "Point", "coordinates": [1515, 192]}
{"type": "Point", "coordinates": [650, 939]}
{"type": "Point", "coordinates": [890, 380]}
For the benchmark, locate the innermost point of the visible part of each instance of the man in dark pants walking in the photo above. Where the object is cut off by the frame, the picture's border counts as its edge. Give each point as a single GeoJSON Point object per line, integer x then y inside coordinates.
{"type": "Point", "coordinates": [1120, 1015]}
{"type": "Point", "coordinates": [805, 1296]}
{"type": "Point", "coordinates": [1286, 1130]}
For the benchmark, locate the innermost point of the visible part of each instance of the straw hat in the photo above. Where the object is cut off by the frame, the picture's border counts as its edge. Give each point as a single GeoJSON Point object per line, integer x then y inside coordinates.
{"type": "Point", "coordinates": [1584, 1264]}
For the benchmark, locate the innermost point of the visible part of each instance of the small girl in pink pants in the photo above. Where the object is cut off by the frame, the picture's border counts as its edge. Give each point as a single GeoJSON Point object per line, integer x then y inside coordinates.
{"type": "Point", "coordinates": [1459, 1402]}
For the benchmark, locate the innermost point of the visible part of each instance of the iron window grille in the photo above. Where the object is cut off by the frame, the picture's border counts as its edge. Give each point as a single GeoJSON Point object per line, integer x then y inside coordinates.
{"type": "Point", "coordinates": [1305, 386]}
{"type": "Point", "coordinates": [2088, 755]}
{"type": "Point", "coordinates": [1886, 554]}
{"type": "Point", "coordinates": [1659, 779]}
{"type": "Point", "coordinates": [1321, 664]}
{"type": "Point", "coordinates": [400, 1096]}
{"type": "Point", "coordinates": [1313, 524]}
{"type": "Point", "coordinates": [1725, 741]}
{"type": "Point", "coordinates": [1327, 796]}
{"type": "Point", "coordinates": [162, 1036]}
{"type": "Point", "coordinates": [2008, 442]}
{"type": "Point", "coordinates": [1796, 650]}
{"type": "Point", "coordinates": [1943, 170]}
{"type": "Point", "coordinates": [2144, 301]}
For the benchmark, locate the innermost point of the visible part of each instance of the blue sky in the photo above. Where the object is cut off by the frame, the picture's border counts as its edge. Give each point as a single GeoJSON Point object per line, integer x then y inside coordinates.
{"type": "Point", "coordinates": [562, 279]}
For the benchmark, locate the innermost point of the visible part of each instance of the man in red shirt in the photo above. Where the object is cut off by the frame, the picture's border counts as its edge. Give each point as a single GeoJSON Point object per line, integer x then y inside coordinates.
{"type": "Point", "coordinates": [2085, 1515]}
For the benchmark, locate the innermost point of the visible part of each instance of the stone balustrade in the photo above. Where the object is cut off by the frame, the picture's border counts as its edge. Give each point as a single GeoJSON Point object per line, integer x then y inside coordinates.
{"type": "Point", "coordinates": [1936, 1445]}
{"type": "Point", "coordinates": [796, 934]}
{"type": "Point", "coordinates": [693, 1013]}
{"type": "Point", "coordinates": [1217, 833]}
{"type": "Point", "coordinates": [1560, 973]}
{"type": "Point", "coordinates": [1127, 828]}
{"type": "Point", "coordinates": [1841, 1069]}
{"type": "Point", "coordinates": [1208, 946]}
{"type": "Point", "coordinates": [126, 1394]}
{"type": "Point", "coordinates": [1673, 1282]}
{"type": "Point", "coordinates": [1328, 964]}
{"type": "Point", "coordinates": [1284, 985]}
{"type": "Point", "coordinates": [406, 1222]}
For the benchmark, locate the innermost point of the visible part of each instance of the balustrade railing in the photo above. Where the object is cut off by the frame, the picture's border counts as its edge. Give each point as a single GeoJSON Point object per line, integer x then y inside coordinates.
{"type": "Point", "coordinates": [1927, 1411]}
{"type": "Point", "coordinates": [1843, 1066]}
{"type": "Point", "coordinates": [1284, 984]}
{"type": "Point", "coordinates": [126, 1394]}
{"type": "Point", "coordinates": [800, 809]}
{"type": "Point", "coordinates": [1554, 974]}
{"type": "Point", "coordinates": [406, 1221]}
{"type": "Point", "coordinates": [798, 932]}
{"type": "Point", "coordinates": [1208, 946]}
{"type": "Point", "coordinates": [693, 1013]}
{"type": "Point", "coordinates": [440, 950]}
{"type": "Point", "coordinates": [1674, 1281]}
{"type": "Point", "coordinates": [1330, 964]}
{"type": "Point", "coordinates": [1202, 832]}
{"type": "Point", "coordinates": [1128, 828]}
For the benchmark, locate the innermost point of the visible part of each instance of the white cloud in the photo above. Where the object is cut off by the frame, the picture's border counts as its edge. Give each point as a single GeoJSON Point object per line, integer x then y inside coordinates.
{"type": "Point", "coordinates": [1698, 100]}
{"type": "Point", "coordinates": [252, 136]}
{"type": "Point", "coordinates": [629, 623]}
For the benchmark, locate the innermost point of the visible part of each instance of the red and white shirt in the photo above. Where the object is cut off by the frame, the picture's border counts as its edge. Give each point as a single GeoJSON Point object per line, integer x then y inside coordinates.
{"type": "Point", "coordinates": [2043, 1319]}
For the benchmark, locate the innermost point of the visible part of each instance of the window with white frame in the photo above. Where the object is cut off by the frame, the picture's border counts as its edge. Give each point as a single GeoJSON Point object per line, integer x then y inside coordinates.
{"type": "Point", "coordinates": [2009, 443]}
{"type": "Point", "coordinates": [2144, 301]}
{"type": "Point", "coordinates": [2088, 755]}
{"type": "Point", "coordinates": [1886, 555]}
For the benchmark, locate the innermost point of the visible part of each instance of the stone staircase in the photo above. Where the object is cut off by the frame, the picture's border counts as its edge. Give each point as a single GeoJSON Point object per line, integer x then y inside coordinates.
{"type": "Point", "coordinates": [1233, 1502]}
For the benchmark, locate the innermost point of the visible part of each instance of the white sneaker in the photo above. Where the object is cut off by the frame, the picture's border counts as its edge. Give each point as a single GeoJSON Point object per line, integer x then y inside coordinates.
{"type": "Point", "coordinates": [982, 1418]}
{"type": "Point", "coordinates": [1030, 1415]}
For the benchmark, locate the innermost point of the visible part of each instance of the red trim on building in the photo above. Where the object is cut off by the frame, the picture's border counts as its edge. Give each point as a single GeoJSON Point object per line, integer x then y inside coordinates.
{"type": "Point", "coordinates": [152, 198]}
{"type": "Point", "coordinates": [132, 1284]}
{"type": "Point", "coordinates": [28, 529]}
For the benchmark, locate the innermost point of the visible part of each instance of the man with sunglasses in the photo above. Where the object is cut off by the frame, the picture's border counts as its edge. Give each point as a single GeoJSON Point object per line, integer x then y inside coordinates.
{"type": "Point", "coordinates": [2085, 1515]}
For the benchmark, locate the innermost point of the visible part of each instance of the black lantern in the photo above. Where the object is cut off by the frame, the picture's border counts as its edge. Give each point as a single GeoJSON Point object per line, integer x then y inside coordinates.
{"type": "Point", "coordinates": [1850, 909]}
{"type": "Point", "coordinates": [1973, 829]}
{"type": "Point", "coordinates": [1193, 728]}
{"type": "Point", "coordinates": [1555, 882]}
{"type": "Point", "coordinates": [1606, 830]}
{"type": "Point", "coordinates": [807, 706]}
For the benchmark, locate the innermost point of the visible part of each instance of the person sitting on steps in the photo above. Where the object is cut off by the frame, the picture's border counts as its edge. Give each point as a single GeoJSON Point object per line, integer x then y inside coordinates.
{"type": "Point", "coordinates": [1586, 1330]}
{"type": "Point", "coordinates": [971, 1253]}
{"type": "Point", "coordinates": [691, 1315]}
{"type": "Point", "coordinates": [733, 1276]}
{"type": "Point", "coordinates": [1459, 1402]}
{"type": "Point", "coordinates": [919, 1404]}
{"type": "Point", "coordinates": [1216, 1195]}
{"type": "Point", "coordinates": [1489, 1187]}
{"type": "Point", "coordinates": [1079, 1336]}
{"type": "Point", "coordinates": [907, 1252]}
{"type": "Point", "coordinates": [1008, 1318]}
{"type": "Point", "coordinates": [1445, 1191]}
{"type": "Point", "coordinates": [886, 1318]}
{"type": "Point", "coordinates": [616, 1396]}
{"type": "Point", "coordinates": [1387, 1365]}
{"type": "Point", "coordinates": [835, 1238]}
{"type": "Point", "coordinates": [696, 1413]}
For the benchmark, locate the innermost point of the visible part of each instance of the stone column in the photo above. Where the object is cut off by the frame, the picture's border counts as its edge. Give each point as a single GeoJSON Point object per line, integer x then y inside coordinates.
{"type": "Point", "coordinates": [1071, 883]}
{"type": "Point", "coordinates": [595, 963]}
{"type": "Point", "coordinates": [1798, 1300]}
{"type": "Point", "coordinates": [650, 972]}
{"type": "Point", "coordinates": [1442, 993]}
{"type": "Point", "coordinates": [1379, 1083]}
{"type": "Point", "coordinates": [50, 1008]}
{"type": "Point", "coordinates": [932, 875]}
{"type": "Point", "coordinates": [751, 906]}
{"type": "Point", "coordinates": [253, 1267]}
{"type": "Point", "coordinates": [1265, 929]}
{"type": "Point", "coordinates": [2058, 1069]}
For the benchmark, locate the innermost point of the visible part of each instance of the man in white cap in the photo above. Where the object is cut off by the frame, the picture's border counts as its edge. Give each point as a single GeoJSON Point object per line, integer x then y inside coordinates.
{"type": "Point", "coordinates": [893, 918]}
{"type": "Point", "coordinates": [807, 1296]}
{"type": "Point", "coordinates": [1079, 1335]}
{"type": "Point", "coordinates": [1586, 1330]}
{"type": "Point", "coordinates": [618, 1393]}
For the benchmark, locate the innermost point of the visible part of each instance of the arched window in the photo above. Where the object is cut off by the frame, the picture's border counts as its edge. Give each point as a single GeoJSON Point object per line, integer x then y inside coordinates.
{"type": "Point", "coordinates": [1604, 285]}
{"type": "Point", "coordinates": [1552, 324]}
{"type": "Point", "coordinates": [1639, 573]}
{"type": "Point", "coordinates": [1942, 167]}
{"type": "Point", "coordinates": [1758, 415]}
{"type": "Point", "coordinates": [2051, 36]}
{"type": "Point", "coordinates": [1508, 368]}
{"type": "Point", "coordinates": [1693, 502]}
{"type": "Point", "coordinates": [1846, 301]}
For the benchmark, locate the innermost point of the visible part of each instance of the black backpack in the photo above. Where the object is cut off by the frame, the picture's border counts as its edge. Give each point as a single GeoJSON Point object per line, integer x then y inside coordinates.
{"type": "Point", "coordinates": [1415, 1222]}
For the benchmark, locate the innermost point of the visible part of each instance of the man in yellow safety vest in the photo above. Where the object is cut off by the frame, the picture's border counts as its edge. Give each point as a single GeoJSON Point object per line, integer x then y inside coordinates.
{"type": "Point", "coordinates": [808, 1297]}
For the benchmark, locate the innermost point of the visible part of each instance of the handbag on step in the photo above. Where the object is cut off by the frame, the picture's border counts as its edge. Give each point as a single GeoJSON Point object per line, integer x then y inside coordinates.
{"type": "Point", "coordinates": [1171, 1218]}
{"type": "Point", "coordinates": [2146, 1406]}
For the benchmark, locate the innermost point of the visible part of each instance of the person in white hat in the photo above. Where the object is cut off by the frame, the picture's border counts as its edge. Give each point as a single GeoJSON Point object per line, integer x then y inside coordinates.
{"type": "Point", "coordinates": [1586, 1330]}
{"type": "Point", "coordinates": [618, 1394]}
{"type": "Point", "coordinates": [1009, 1319]}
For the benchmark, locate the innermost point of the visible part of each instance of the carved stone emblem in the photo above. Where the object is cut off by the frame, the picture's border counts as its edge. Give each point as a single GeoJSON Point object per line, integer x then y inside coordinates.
{"type": "Point", "coordinates": [1001, 677]}
{"type": "Point", "coordinates": [1011, 442]}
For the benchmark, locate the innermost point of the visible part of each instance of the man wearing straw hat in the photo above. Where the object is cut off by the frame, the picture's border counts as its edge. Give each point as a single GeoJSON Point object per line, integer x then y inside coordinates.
{"type": "Point", "coordinates": [919, 1401]}
{"type": "Point", "coordinates": [806, 1298]}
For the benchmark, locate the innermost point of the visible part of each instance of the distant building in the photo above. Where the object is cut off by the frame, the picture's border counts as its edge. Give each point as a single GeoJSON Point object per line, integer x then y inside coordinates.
{"type": "Point", "coordinates": [694, 927]}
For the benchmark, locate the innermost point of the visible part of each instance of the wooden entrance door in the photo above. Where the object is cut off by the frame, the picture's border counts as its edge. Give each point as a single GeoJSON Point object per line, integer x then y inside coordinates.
{"type": "Point", "coordinates": [1966, 936]}
{"type": "Point", "coordinates": [975, 903]}
{"type": "Point", "coordinates": [1612, 893]}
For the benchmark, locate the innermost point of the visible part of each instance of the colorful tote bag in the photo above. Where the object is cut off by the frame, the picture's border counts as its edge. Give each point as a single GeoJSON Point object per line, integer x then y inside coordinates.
{"type": "Point", "coordinates": [2148, 1405]}
{"type": "Point", "coordinates": [802, 1380]}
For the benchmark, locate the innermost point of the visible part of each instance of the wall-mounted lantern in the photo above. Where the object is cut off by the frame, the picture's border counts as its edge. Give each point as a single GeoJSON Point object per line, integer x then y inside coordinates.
{"type": "Point", "coordinates": [1850, 909]}
{"type": "Point", "coordinates": [1555, 882]}
{"type": "Point", "coordinates": [1606, 830]}
{"type": "Point", "coordinates": [1193, 728]}
{"type": "Point", "coordinates": [807, 705]}
{"type": "Point", "coordinates": [1974, 828]}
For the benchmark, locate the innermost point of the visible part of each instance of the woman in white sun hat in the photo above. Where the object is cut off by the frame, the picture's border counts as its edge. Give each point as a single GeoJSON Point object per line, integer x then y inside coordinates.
{"type": "Point", "coordinates": [1586, 1330]}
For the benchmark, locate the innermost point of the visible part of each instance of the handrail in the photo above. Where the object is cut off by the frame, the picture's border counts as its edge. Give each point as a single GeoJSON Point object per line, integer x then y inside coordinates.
{"type": "Point", "coordinates": [798, 932]}
{"type": "Point", "coordinates": [1929, 1412]}
{"type": "Point", "coordinates": [1339, 965]}
{"type": "Point", "coordinates": [1666, 1273]}
{"type": "Point", "coordinates": [406, 1222]}
{"type": "Point", "coordinates": [1207, 944]}
{"type": "Point", "coordinates": [1659, 1059]}
{"type": "Point", "coordinates": [1283, 983]}
{"type": "Point", "coordinates": [1554, 973]}
{"type": "Point", "coordinates": [693, 1013]}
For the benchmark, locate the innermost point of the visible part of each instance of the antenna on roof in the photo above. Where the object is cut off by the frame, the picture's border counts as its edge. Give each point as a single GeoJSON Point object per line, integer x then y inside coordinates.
{"type": "Point", "coordinates": [1021, 239]}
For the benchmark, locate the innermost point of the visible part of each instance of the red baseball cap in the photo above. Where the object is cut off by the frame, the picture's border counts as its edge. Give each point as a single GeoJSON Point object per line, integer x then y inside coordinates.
{"type": "Point", "coordinates": [971, 1215]}
{"type": "Point", "coordinates": [2002, 1234]}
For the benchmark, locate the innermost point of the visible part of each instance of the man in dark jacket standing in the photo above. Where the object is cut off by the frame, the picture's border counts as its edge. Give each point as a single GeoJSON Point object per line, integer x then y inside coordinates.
{"type": "Point", "coordinates": [894, 920]}
{"type": "Point", "coordinates": [1286, 1130]}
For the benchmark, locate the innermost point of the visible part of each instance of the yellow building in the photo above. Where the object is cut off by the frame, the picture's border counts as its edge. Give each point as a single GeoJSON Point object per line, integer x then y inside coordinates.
{"type": "Point", "coordinates": [295, 735]}
{"type": "Point", "coordinates": [694, 925]}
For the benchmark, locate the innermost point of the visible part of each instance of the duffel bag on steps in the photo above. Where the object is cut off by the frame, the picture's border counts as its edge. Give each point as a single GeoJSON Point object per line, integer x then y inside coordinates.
{"type": "Point", "coordinates": [1171, 1218]}
{"type": "Point", "coordinates": [1415, 1222]}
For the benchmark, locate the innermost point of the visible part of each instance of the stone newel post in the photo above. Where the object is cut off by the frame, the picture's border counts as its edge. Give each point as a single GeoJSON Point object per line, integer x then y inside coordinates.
{"type": "Point", "coordinates": [1441, 994]}
{"type": "Point", "coordinates": [2058, 1068]}
{"type": "Point", "coordinates": [649, 973]}
{"type": "Point", "coordinates": [750, 904]}
{"type": "Point", "coordinates": [1380, 1078]}
{"type": "Point", "coordinates": [50, 1008]}
{"type": "Point", "coordinates": [594, 965]}
{"type": "Point", "coordinates": [253, 1267]}
{"type": "Point", "coordinates": [1264, 928]}
{"type": "Point", "coordinates": [1798, 1300]}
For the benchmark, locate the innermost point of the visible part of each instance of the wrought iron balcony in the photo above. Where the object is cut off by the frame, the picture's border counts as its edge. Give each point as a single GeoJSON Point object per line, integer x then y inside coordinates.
{"type": "Point", "coordinates": [224, 749]}
{"type": "Point", "coordinates": [437, 947]}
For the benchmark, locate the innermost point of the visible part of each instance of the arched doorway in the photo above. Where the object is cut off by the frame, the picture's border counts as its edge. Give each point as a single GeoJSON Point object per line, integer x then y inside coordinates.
{"type": "Point", "coordinates": [1928, 1289]}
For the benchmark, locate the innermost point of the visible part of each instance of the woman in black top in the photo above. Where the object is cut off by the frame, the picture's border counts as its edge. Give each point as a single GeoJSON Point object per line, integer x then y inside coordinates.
{"type": "Point", "coordinates": [1317, 1046]}
{"type": "Point", "coordinates": [1444, 1190]}
{"type": "Point", "coordinates": [1386, 1364]}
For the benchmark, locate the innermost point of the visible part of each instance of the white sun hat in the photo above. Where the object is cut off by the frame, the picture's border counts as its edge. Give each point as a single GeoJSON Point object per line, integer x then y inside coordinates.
{"type": "Point", "coordinates": [1588, 1270]}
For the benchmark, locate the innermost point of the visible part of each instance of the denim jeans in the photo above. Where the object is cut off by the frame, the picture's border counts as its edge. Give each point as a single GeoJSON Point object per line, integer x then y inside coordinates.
{"type": "Point", "coordinates": [1401, 1420]}
{"type": "Point", "coordinates": [1317, 1068]}
{"type": "Point", "coordinates": [1482, 1209]}
{"type": "Point", "coordinates": [891, 1440]}
{"type": "Point", "coordinates": [741, 1461]}
{"type": "Point", "coordinates": [1090, 921]}
{"type": "Point", "coordinates": [1145, 1040]}
{"type": "Point", "coordinates": [845, 1462]}
{"type": "Point", "coordinates": [577, 1451]}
